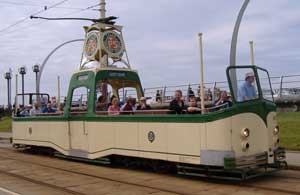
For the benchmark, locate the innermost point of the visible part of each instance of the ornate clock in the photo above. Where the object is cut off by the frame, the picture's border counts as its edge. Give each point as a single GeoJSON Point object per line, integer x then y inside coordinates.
{"type": "Point", "coordinates": [91, 45]}
{"type": "Point", "coordinates": [112, 44]}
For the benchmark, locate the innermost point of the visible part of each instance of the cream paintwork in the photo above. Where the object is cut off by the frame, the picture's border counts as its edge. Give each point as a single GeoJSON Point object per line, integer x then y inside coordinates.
{"type": "Point", "coordinates": [51, 134]}
{"type": "Point", "coordinates": [177, 142]}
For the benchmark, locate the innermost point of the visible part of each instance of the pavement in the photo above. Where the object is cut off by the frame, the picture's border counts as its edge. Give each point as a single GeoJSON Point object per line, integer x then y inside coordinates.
{"type": "Point", "coordinates": [292, 157]}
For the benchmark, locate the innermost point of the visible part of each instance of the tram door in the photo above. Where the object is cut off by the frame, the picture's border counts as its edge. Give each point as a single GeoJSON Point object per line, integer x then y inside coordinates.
{"type": "Point", "coordinates": [78, 132]}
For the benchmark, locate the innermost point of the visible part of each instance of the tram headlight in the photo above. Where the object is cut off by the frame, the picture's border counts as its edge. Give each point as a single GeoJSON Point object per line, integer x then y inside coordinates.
{"type": "Point", "coordinates": [245, 133]}
{"type": "Point", "coordinates": [276, 130]}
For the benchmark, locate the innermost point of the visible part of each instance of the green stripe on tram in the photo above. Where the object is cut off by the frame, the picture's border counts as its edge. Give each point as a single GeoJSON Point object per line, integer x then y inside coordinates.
{"type": "Point", "coordinates": [260, 107]}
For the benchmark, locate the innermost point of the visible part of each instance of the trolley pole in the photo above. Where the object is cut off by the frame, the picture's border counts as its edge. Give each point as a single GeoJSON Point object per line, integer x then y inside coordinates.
{"type": "Point", "coordinates": [102, 8]}
{"type": "Point", "coordinates": [252, 52]}
{"type": "Point", "coordinates": [202, 99]}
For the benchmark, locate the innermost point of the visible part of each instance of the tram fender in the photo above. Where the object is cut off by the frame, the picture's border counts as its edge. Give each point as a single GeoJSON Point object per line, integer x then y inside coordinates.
{"type": "Point", "coordinates": [215, 158]}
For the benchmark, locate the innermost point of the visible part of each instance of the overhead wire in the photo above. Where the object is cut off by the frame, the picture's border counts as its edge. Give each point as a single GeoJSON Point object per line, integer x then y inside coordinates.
{"type": "Point", "coordinates": [37, 5]}
{"type": "Point", "coordinates": [35, 13]}
{"type": "Point", "coordinates": [67, 14]}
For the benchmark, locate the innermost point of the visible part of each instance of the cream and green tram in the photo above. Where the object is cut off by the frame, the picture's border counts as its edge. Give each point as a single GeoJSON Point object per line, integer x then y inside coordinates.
{"type": "Point", "coordinates": [241, 138]}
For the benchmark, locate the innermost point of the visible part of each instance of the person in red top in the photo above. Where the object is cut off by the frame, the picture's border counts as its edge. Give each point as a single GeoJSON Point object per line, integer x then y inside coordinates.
{"type": "Point", "coordinates": [114, 109]}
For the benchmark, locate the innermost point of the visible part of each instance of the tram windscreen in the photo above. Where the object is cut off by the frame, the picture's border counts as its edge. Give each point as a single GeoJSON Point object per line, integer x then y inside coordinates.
{"type": "Point", "coordinates": [265, 84]}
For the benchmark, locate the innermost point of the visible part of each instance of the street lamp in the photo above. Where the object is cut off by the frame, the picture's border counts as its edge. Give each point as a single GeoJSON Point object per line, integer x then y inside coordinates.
{"type": "Point", "coordinates": [7, 76]}
{"type": "Point", "coordinates": [36, 70]}
{"type": "Point", "coordinates": [22, 71]}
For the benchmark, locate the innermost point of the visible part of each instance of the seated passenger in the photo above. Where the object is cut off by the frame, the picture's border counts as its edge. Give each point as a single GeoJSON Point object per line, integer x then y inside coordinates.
{"type": "Point", "coordinates": [36, 109]}
{"type": "Point", "coordinates": [61, 107]}
{"type": "Point", "coordinates": [26, 111]}
{"type": "Point", "coordinates": [193, 108]}
{"type": "Point", "coordinates": [247, 90]}
{"type": "Point", "coordinates": [143, 105]}
{"type": "Point", "coordinates": [177, 104]}
{"type": "Point", "coordinates": [224, 101]}
{"type": "Point", "coordinates": [128, 107]}
{"type": "Point", "coordinates": [114, 109]}
{"type": "Point", "coordinates": [49, 109]}
{"type": "Point", "coordinates": [111, 99]}
{"type": "Point", "coordinates": [19, 110]}
{"type": "Point", "coordinates": [101, 104]}
{"type": "Point", "coordinates": [53, 102]}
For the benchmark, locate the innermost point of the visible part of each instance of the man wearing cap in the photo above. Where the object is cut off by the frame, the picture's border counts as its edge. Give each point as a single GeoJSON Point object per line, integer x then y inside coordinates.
{"type": "Point", "coordinates": [26, 111]}
{"type": "Point", "coordinates": [247, 90]}
{"type": "Point", "coordinates": [143, 105]}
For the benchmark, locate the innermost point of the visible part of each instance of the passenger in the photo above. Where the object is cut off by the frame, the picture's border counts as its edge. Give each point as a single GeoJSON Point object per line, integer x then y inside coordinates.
{"type": "Point", "coordinates": [114, 109]}
{"type": "Point", "coordinates": [26, 111]}
{"type": "Point", "coordinates": [158, 96]}
{"type": "Point", "coordinates": [209, 95]}
{"type": "Point", "coordinates": [143, 104]}
{"type": "Point", "coordinates": [177, 104]}
{"type": "Point", "coordinates": [224, 101]}
{"type": "Point", "coordinates": [36, 110]}
{"type": "Point", "coordinates": [53, 102]}
{"type": "Point", "coordinates": [61, 107]}
{"type": "Point", "coordinates": [101, 104]}
{"type": "Point", "coordinates": [20, 109]}
{"type": "Point", "coordinates": [128, 107]}
{"type": "Point", "coordinates": [193, 108]}
{"type": "Point", "coordinates": [49, 109]}
{"type": "Point", "coordinates": [111, 99]}
{"type": "Point", "coordinates": [247, 90]}
{"type": "Point", "coordinates": [190, 92]}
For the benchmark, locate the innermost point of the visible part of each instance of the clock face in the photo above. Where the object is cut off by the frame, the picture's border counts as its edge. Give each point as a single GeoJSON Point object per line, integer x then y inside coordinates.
{"type": "Point", "coordinates": [113, 44]}
{"type": "Point", "coordinates": [91, 44]}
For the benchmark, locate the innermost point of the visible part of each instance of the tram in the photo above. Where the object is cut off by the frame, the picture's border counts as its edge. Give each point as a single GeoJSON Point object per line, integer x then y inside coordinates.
{"type": "Point", "coordinates": [242, 139]}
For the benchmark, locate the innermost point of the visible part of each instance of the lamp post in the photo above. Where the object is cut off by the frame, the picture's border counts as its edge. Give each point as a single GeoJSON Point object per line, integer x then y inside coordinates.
{"type": "Point", "coordinates": [22, 71]}
{"type": "Point", "coordinates": [7, 76]}
{"type": "Point", "coordinates": [36, 70]}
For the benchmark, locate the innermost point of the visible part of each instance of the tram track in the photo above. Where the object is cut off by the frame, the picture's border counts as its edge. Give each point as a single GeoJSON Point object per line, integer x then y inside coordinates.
{"type": "Point", "coordinates": [79, 173]}
{"type": "Point", "coordinates": [159, 189]}
{"type": "Point", "coordinates": [41, 183]}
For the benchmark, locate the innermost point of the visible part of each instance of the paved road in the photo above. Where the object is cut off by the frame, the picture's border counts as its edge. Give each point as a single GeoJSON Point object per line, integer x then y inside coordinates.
{"type": "Point", "coordinates": [4, 191]}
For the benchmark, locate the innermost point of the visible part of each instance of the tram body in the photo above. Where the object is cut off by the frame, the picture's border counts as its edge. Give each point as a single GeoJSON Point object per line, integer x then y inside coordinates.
{"type": "Point", "coordinates": [242, 136]}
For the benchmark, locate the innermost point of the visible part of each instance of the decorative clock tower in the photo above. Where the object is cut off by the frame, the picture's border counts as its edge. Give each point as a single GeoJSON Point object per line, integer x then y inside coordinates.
{"type": "Point", "coordinates": [104, 43]}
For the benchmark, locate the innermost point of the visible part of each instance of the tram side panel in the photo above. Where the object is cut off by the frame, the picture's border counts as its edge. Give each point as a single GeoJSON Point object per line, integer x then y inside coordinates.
{"type": "Point", "coordinates": [54, 134]}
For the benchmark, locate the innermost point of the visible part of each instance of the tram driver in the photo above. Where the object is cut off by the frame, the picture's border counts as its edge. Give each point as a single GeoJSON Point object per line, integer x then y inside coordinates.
{"type": "Point", "coordinates": [247, 90]}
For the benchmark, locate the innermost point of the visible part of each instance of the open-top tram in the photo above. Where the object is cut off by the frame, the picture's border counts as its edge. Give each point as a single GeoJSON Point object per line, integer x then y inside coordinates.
{"type": "Point", "coordinates": [243, 138]}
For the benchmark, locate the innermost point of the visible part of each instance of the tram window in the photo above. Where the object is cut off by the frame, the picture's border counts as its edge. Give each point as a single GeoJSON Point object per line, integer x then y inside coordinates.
{"type": "Point", "coordinates": [126, 92]}
{"type": "Point", "coordinates": [265, 84]}
{"type": "Point", "coordinates": [103, 94]}
{"type": "Point", "coordinates": [246, 88]}
{"type": "Point", "coordinates": [80, 99]}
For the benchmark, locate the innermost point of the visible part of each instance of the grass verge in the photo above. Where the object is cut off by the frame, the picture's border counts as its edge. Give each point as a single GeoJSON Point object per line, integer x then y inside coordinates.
{"type": "Point", "coordinates": [289, 124]}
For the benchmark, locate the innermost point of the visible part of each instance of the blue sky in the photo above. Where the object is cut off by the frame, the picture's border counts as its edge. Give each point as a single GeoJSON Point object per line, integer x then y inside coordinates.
{"type": "Point", "coordinates": [160, 35]}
